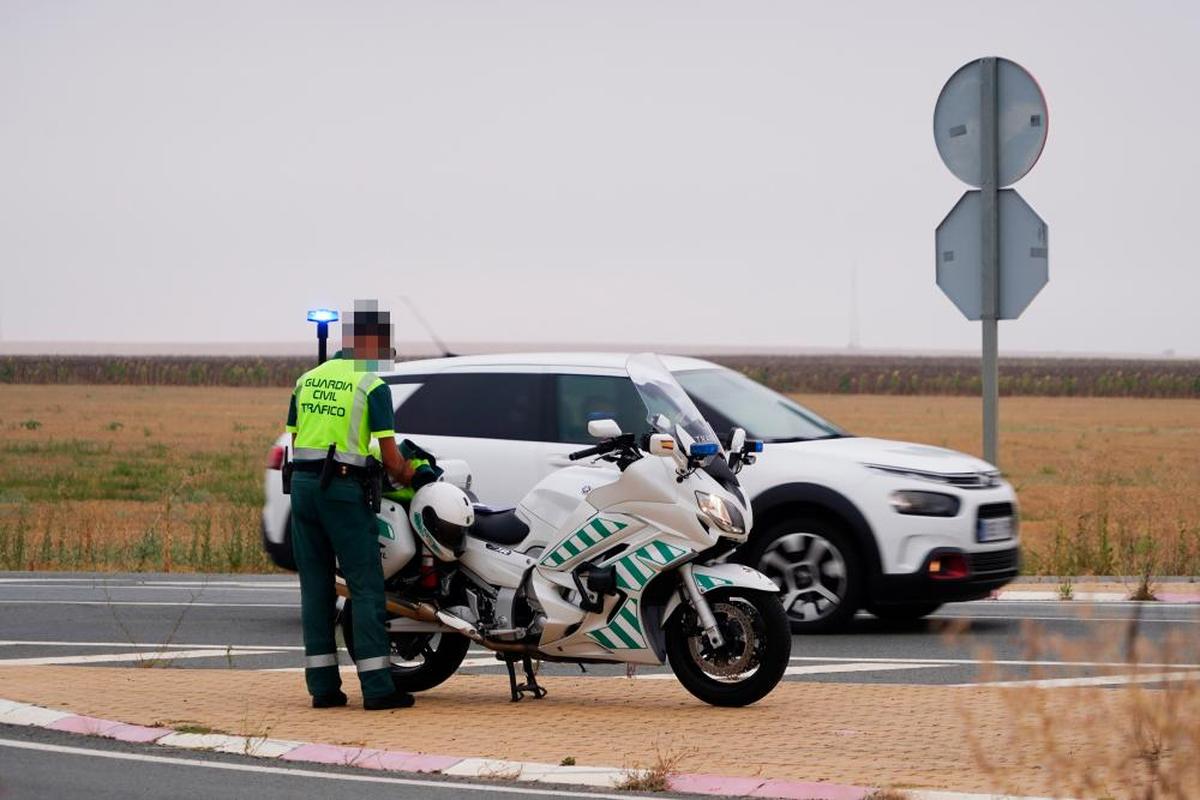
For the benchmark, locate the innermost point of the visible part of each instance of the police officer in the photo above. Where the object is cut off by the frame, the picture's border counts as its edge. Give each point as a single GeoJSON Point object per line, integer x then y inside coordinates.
{"type": "Point", "coordinates": [336, 409]}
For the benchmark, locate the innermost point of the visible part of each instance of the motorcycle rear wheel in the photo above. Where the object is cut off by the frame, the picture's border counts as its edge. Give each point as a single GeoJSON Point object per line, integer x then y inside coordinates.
{"type": "Point", "coordinates": [420, 661]}
{"type": "Point", "coordinates": [758, 645]}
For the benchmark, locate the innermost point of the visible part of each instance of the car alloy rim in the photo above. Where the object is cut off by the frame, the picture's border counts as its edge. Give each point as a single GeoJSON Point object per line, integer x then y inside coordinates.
{"type": "Point", "coordinates": [810, 573]}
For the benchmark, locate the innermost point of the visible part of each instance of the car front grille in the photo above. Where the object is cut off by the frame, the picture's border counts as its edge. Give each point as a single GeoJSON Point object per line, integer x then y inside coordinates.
{"type": "Point", "coordinates": [994, 561]}
{"type": "Point", "coordinates": [995, 510]}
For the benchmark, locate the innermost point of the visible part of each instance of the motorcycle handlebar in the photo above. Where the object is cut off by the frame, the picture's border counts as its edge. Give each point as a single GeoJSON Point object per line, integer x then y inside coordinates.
{"type": "Point", "coordinates": [589, 451]}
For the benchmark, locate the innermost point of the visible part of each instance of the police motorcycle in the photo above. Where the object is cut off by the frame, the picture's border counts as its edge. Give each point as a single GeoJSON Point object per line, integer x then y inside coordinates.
{"type": "Point", "coordinates": [596, 565]}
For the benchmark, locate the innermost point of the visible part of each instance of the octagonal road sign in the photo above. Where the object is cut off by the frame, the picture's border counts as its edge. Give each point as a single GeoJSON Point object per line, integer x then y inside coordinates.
{"type": "Point", "coordinates": [1021, 120]}
{"type": "Point", "coordinates": [1023, 263]}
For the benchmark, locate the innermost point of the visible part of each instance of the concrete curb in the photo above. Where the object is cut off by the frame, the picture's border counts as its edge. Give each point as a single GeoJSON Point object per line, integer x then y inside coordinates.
{"type": "Point", "coordinates": [26, 714]}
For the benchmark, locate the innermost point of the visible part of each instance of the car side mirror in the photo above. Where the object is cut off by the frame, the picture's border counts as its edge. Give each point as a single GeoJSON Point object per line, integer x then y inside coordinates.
{"type": "Point", "coordinates": [604, 429]}
{"type": "Point", "coordinates": [662, 444]}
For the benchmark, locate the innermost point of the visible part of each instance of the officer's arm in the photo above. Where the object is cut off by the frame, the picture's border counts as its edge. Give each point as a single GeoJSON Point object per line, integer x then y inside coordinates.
{"type": "Point", "coordinates": [401, 471]}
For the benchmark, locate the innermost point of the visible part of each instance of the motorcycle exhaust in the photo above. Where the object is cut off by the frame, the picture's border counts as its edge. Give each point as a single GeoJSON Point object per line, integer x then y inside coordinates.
{"type": "Point", "coordinates": [422, 612]}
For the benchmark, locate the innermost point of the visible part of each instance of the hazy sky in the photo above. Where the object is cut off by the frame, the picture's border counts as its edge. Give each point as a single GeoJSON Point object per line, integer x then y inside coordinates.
{"type": "Point", "coordinates": [671, 172]}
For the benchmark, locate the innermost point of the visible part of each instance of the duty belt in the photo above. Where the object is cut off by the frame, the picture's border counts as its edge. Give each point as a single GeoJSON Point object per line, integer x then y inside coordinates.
{"type": "Point", "coordinates": [339, 469]}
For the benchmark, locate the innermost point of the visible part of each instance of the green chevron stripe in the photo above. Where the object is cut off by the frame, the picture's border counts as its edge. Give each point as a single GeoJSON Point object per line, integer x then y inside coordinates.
{"type": "Point", "coordinates": [629, 641]}
{"type": "Point", "coordinates": [603, 640]}
{"type": "Point", "coordinates": [708, 582]}
{"type": "Point", "coordinates": [667, 555]}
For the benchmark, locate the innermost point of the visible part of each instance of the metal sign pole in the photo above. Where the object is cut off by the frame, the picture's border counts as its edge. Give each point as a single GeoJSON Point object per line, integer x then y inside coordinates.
{"type": "Point", "coordinates": [991, 258]}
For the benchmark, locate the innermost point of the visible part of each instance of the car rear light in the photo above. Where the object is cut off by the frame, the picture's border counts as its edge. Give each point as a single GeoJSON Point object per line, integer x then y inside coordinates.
{"type": "Point", "coordinates": [948, 566]}
{"type": "Point", "coordinates": [276, 456]}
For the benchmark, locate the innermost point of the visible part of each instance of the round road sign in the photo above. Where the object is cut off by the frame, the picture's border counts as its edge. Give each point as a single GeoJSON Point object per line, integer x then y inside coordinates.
{"type": "Point", "coordinates": [1021, 120]}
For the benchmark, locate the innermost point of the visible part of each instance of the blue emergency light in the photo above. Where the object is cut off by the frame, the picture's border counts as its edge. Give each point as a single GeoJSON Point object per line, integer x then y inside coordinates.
{"type": "Point", "coordinates": [322, 315]}
{"type": "Point", "coordinates": [704, 449]}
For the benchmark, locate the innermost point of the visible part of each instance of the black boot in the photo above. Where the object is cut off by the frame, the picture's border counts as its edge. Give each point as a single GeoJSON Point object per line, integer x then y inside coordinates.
{"type": "Point", "coordinates": [334, 699]}
{"type": "Point", "coordinates": [396, 699]}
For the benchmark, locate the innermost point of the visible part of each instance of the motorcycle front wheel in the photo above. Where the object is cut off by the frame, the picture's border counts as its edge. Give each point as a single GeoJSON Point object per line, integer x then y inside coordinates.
{"type": "Point", "coordinates": [420, 661]}
{"type": "Point", "coordinates": [758, 644]}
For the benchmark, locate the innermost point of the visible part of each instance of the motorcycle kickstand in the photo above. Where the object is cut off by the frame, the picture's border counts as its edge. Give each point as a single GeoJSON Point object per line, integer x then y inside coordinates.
{"type": "Point", "coordinates": [531, 686]}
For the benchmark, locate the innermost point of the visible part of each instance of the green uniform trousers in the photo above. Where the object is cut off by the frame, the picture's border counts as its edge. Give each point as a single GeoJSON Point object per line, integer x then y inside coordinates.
{"type": "Point", "coordinates": [336, 521]}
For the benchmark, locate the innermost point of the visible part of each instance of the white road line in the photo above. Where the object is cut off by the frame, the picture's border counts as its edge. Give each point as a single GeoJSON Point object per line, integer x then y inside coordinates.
{"type": "Point", "coordinates": [949, 662]}
{"type": "Point", "coordinates": [160, 655]}
{"type": "Point", "coordinates": [1081, 618]}
{"type": "Point", "coordinates": [153, 645]}
{"type": "Point", "coordinates": [133, 583]}
{"type": "Point", "coordinates": [1094, 680]}
{"type": "Point", "coordinates": [449, 786]}
{"type": "Point", "coordinates": [196, 604]}
{"type": "Point", "coordinates": [817, 669]}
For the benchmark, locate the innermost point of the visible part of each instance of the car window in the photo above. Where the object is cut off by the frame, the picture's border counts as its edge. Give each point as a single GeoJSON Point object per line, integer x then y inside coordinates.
{"type": "Point", "coordinates": [581, 398]}
{"type": "Point", "coordinates": [481, 405]}
{"type": "Point", "coordinates": [728, 398]}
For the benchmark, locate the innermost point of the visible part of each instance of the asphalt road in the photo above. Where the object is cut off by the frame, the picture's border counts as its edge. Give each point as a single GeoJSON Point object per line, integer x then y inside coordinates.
{"type": "Point", "coordinates": [252, 622]}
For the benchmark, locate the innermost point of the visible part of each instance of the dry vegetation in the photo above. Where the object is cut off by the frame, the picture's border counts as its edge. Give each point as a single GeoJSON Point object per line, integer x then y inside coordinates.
{"type": "Point", "coordinates": [830, 374]}
{"type": "Point", "coordinates": [143, 478]}
{"type": "Point", "coordinates": [165, 477]}
{"type": "Point", "coordinates": [1107, 485]}
{"type": "Point", "coordinates": [1137, 740]}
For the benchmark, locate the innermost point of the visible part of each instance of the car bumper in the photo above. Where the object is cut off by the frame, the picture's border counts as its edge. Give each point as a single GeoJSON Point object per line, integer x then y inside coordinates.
{"type": "Point", "coordinates": [280, 553]}
{"type": "Point", "coordinates": [987, 572]}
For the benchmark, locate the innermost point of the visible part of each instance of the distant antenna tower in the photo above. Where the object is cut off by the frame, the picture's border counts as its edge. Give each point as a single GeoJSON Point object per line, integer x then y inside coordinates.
{"type": "Point", "coordinates": [854, 342]}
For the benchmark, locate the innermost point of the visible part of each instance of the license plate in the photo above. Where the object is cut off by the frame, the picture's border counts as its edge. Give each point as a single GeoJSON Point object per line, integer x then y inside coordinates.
{"type": "Point", "coordinates": [995, 530]}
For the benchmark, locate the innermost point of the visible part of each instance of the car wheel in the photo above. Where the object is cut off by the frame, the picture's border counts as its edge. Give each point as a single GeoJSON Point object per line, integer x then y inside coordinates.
{"type": "Point", "coordinates": [905, 612]}
{"type": "Point", "coordinates": [817, 569]}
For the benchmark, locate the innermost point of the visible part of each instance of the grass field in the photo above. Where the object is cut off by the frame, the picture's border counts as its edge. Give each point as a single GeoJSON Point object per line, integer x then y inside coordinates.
{"type": "Point", "coordinates": [169, 477]}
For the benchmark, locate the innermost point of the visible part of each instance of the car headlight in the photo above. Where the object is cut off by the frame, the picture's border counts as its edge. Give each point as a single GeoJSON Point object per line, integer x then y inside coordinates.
{"type": "Point", "coordinates": [726, 517]}
{"type": "Point", "coordinates": [925, 504]}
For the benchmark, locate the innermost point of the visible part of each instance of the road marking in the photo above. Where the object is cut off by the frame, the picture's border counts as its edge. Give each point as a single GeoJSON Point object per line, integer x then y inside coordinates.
{"type": "Point", "coordinates": [1085, 619]}
{"type": "Point", "coordinates": [133, 583]}
{"type": "Point", "coordinates": [160, 655]}
{"type": "Point", "coordinates": [1094, 680]}
{"type": "Point", "coordinates": [197, 604]}
{"type": "Point", "coordinates": [816, 669]}
{"type": "Point", "coordinates": [450, 786]}
{"type": "Point", "coordinates": [997, 662]}
{"type": "Point", "coordinates": [155, 645]}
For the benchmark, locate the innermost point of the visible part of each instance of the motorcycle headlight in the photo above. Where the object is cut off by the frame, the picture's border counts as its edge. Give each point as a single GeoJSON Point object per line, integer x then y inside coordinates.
{"type": "Point", "coordinates": [925, 504]}
{"type": "Point", "coordinates": [726, 517]}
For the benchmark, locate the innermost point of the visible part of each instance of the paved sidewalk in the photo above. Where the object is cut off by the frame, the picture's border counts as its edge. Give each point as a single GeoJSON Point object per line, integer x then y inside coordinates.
{"type": "Point", "coordinates": [873, 735]}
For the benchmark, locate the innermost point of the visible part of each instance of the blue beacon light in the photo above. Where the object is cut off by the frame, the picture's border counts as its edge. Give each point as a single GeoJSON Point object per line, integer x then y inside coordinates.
{"type": "Point", "coordinates": [322, 316]}
{"type": "Point", "coordinates": [704, 449]}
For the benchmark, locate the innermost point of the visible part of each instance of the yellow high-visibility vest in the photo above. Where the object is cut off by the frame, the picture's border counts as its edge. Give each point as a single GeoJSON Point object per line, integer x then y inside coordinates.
{"type": "Point", "coordinates": [331, 408]}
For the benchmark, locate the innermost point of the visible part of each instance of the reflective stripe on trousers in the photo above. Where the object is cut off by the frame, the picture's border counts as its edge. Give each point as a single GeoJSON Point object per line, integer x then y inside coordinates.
{"type": "Point", "coordinates": [372, 664]}
{"type": "Point", "coordinates": [323, 660]}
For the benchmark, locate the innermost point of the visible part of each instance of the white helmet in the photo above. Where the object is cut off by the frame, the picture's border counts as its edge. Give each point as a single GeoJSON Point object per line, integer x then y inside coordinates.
{"type": "Point", "coordinates": [441, 514]}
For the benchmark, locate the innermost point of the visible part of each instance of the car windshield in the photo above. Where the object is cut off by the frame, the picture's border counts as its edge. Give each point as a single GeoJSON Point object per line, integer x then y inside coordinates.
{"type": "Point", "coordinates": [729, 399]}
{"type": "Point", "coordinates": [668, 407]}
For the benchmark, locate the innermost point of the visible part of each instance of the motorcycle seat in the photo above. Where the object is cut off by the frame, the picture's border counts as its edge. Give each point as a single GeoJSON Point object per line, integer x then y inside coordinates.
{"type": "Point", "coordinates": [498, 527]}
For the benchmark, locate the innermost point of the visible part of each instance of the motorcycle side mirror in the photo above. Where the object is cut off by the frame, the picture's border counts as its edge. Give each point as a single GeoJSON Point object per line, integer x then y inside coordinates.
{"type": "Point", "coordinates": [661, 444]}
{"type": "Point", "coordinates": [737, 440]}
{"type": "Point", "coordinates": [603, 429]}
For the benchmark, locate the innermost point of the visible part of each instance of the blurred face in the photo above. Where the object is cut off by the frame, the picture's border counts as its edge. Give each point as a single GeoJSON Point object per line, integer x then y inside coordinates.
{"type": "Point", "coordinates": [371, 347]}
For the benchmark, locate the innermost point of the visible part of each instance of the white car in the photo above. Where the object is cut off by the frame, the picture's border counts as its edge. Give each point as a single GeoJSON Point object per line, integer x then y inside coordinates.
{"type": "Point", "coordinates": [841, 522]}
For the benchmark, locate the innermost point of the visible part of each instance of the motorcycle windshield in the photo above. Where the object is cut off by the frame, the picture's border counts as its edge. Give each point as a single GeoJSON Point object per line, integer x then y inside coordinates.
{"type": "Point", "coordinates": [668, 407]}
